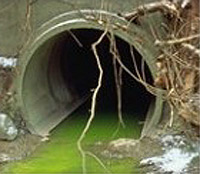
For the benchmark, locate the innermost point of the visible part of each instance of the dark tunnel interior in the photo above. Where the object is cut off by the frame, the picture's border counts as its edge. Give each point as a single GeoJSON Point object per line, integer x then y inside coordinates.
{"type": "Point", "coordinates": [79, 69]}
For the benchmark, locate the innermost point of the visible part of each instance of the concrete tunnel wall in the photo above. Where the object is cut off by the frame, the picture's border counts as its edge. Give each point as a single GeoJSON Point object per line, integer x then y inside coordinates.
{"type": "Point", "coordinates": [48, 89]}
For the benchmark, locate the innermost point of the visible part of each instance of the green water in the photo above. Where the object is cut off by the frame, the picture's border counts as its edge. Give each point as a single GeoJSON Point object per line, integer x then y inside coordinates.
{"type": "Point", "coordinates": [60, 154]}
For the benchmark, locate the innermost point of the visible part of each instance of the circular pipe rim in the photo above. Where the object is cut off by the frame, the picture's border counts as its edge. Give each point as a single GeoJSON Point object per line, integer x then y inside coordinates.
{"type": "Point", "coordinates": [73, 20]}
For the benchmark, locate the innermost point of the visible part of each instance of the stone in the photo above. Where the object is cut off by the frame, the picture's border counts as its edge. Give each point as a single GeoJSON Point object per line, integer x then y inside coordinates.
{"type": "Point", "coordinates": [8, 130]}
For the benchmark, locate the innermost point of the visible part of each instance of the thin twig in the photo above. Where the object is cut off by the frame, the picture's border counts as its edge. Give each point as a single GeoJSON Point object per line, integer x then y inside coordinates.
{"type": "Point", "coordinates": [135, 63]}
{"type": "Point", "coordinates": [143, 70]}
{"type": "Point", "coordinates": [75, 38]}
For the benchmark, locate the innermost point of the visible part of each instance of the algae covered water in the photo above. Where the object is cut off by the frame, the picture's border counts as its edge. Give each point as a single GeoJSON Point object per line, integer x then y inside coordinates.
{"type": "Point", "coordinates": [60, 153]}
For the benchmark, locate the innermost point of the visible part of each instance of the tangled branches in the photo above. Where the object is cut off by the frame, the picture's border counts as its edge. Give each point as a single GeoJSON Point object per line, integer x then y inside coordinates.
{"type": "Point", "coordinates": [178, 65]}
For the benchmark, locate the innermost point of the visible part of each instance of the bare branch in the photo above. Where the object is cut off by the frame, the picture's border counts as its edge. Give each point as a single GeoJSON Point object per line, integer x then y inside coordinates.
{"type": "Point", "coordinates": [162, 6]}
{"type": "Point", "coordinates": [192, 48]}
{"type": "Point", "coordinates": [176, 41]}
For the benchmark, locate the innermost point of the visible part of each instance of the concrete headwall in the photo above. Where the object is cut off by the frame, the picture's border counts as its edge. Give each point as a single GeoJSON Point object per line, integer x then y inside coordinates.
{"type": "Point", "coordinates": [30, 30]}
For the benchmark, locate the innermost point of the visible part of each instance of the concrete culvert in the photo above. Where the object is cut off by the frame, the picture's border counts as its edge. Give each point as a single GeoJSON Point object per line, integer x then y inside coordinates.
{"type": "Point", "coordinates": [58, 72]}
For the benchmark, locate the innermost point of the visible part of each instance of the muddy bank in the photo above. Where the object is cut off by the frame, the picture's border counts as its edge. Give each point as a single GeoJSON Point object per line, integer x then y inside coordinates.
{"type": "Point", "coordinates": [21, 147]}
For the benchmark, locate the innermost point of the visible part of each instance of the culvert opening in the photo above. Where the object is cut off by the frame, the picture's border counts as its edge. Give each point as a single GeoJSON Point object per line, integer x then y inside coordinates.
{"type": "Point", "coordinates": [63, 71]}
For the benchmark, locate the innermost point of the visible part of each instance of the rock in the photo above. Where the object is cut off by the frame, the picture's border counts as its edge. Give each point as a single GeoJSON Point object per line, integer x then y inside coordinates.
{"type": "Point", "coordinates": [128, 148]}
{"type": "Point", "coordinates": [8, 130]}
{"type": "Point", "coordinates": [120, 148]}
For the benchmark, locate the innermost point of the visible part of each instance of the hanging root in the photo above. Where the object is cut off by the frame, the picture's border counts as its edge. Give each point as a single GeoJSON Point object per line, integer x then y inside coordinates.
{"type": "Point", "coordinates": [118, 79]}
{"type": "Point", "coordinates": [118, 83]}
{"type": "Point", "coordinates": [153, 90]}
{"type": "Point", "coordinates": [93, 106]}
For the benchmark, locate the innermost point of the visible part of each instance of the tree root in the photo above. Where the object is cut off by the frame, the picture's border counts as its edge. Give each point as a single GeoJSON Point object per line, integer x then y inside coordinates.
{"type": "Point", "coordinates": [93, 106]}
